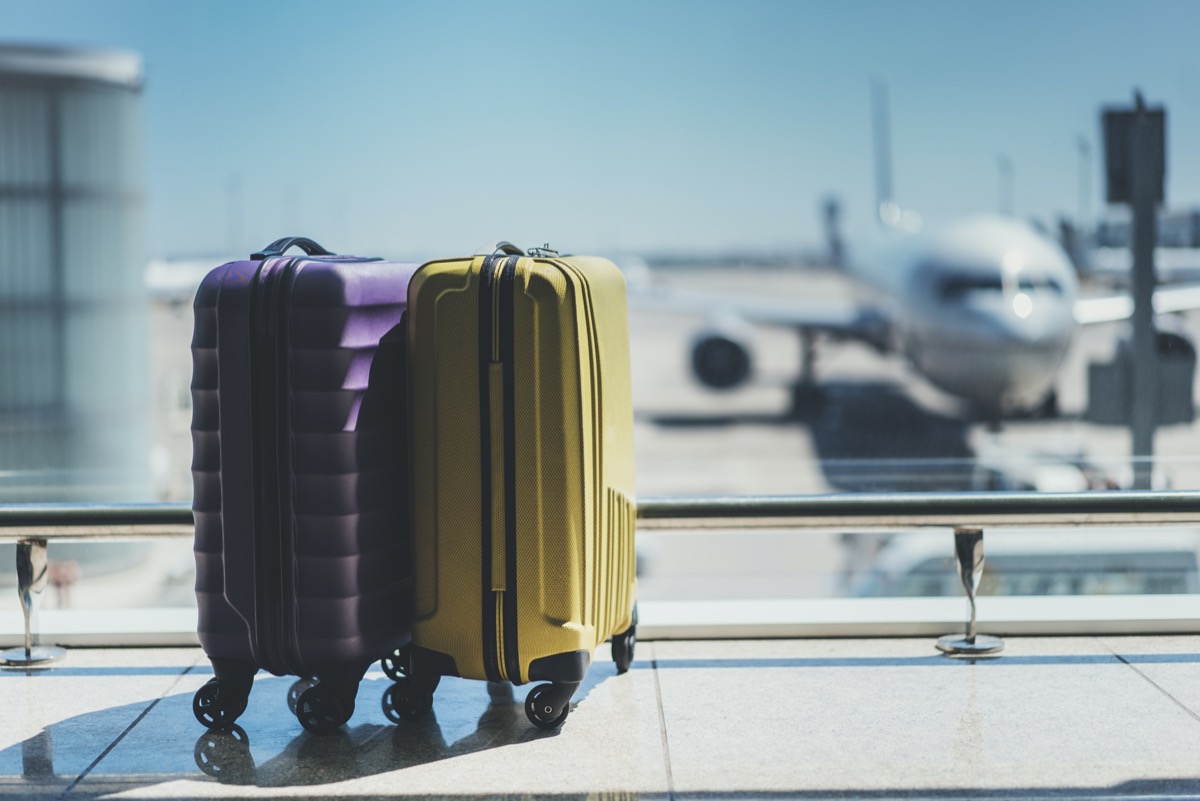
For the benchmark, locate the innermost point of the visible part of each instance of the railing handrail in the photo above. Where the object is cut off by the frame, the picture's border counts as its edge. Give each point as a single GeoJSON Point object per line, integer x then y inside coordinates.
{"type": "Point", "coordinates": [922, 509]}
{"type": "Point", "coordinates": [95, 521]}
{"type": "Point", "coordinates": [836, 511]}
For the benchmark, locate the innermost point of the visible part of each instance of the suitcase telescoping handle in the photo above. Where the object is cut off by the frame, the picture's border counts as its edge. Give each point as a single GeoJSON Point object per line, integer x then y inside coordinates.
{"type": "Point", "coordinates": [492, 248]}
{"type": "Point", "coordinates": [281, 246]}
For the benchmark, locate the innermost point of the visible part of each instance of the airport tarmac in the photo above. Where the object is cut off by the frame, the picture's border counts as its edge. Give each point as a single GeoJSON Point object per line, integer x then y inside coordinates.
{"type": "Point", "coordinates": [881, 428]}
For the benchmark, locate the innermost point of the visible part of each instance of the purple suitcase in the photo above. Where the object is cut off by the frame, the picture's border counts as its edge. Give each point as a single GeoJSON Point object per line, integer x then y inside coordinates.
{"type": "Point", "coordinates": [300, 477]}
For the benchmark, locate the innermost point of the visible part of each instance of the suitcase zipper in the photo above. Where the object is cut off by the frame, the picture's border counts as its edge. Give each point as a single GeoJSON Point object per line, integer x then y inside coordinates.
{"type": "Point", "coordinates": [488, 342]}
{"type": "Point", "coordinates": [508, 599]}
{"type": "Point", "coordinates": [498, 468]}
{"type": "Point", "coordinates": [269, 466]}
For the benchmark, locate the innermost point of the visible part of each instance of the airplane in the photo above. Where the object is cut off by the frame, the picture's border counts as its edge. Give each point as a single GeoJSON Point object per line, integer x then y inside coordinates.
{"type": "Point", "coordinates": [984, 308]}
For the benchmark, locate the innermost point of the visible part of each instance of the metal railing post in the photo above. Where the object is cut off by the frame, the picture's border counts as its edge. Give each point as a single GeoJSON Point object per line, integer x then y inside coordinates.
{"type": "Point", "coordinates": [968, 551]}
{"type": "Point", "coordinates": [32, 566]}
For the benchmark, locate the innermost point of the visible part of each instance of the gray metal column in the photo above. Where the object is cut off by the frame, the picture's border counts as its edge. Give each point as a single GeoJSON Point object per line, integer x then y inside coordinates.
{"type": "Point", "coordinates": [1145, 352]}
{"type": "Point", "coordinates": [1135, 165]}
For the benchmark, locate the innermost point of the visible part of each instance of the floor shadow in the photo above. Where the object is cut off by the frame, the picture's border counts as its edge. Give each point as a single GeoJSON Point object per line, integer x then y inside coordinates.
{"type": "Point", "coordinates": [161, 741]}
{"type": "Point", "coordinates": [370, 749]}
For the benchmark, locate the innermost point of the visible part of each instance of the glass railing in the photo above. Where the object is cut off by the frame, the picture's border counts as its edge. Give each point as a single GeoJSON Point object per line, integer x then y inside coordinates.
{"type": "Point", "coordinates": [1085, 562]}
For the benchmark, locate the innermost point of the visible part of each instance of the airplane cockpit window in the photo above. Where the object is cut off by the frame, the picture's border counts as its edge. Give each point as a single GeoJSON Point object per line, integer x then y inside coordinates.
{"type": "Point", "coordinates": [955, 287]}
{"type": "Point", "coordinates": [1028, 284]}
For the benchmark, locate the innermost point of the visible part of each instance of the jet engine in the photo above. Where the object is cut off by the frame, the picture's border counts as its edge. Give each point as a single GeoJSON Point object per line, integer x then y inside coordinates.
{"type": "Point", "coordinates": [721, 357]}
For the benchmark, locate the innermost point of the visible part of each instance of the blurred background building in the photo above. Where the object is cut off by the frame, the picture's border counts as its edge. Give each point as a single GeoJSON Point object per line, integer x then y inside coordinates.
{"type": "Point", "coordinates": [75, 398]}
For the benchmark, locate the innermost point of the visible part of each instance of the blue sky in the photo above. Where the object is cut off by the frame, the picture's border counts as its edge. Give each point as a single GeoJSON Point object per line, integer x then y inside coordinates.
{"type": "Point", "coordinates": [418, 128]}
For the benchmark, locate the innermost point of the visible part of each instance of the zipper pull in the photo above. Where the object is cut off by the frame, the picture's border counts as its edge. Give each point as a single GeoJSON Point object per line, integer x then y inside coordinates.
{"type": "Point", "coordinates": [544, 252]}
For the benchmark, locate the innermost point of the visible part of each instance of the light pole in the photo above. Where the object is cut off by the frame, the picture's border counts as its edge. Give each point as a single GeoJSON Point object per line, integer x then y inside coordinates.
{"type": "Point", "coordinates": [1135, 166]}
{"type": "Point", "coordinates": [1085, 183]}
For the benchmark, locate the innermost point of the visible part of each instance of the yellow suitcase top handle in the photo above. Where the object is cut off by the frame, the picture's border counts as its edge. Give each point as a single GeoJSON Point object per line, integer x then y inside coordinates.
{"type": "Point", "coordinates": [509, 249]}
{"type": "Point", "coordinates": [499, 246]}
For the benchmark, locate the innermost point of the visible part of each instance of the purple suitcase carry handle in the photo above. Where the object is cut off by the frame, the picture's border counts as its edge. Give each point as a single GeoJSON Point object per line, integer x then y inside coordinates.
{"type": "Point", "coordinates": [281, 246]}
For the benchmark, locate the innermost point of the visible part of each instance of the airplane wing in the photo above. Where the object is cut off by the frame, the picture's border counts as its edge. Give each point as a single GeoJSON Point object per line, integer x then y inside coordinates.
{"type": "Point", "coordinates": [1115, 308]}
{"type": "Point", "coordinates": [838, 318]}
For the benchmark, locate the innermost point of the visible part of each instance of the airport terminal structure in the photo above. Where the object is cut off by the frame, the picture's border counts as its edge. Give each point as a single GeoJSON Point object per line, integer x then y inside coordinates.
{"type": "Point", "coordinates": [851, 582]}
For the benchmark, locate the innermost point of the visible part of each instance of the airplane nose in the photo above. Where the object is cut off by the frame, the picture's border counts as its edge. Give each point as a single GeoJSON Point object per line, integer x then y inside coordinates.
{"type": "Point", "coordinates": [1022, 305]}
{"type": "Point", "coordinates": [1031, 320]}
{"type": "Point", "coordinates": [1004, 350]}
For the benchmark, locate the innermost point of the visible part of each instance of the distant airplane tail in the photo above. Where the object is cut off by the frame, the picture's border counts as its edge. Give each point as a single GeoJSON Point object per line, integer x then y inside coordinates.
{"type": "Point", "coordinates": [884, 201]}
{"type": "Point", "coordinates": [887, 210]}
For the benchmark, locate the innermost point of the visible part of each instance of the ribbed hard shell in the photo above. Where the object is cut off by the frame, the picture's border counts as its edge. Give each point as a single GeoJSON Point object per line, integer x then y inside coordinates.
{"type": "Point", "coordinates": [344, 419]}
{"type": "Point", "coordinates": [574, 459]}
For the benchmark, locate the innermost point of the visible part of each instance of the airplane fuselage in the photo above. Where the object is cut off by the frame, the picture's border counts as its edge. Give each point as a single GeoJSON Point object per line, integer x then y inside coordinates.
{"type": "Point", "coordinates": [982, 308]}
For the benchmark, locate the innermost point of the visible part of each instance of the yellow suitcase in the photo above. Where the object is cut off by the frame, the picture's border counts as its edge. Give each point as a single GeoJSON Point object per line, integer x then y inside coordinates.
{"type": "Point", "coordinates": [523, 506]}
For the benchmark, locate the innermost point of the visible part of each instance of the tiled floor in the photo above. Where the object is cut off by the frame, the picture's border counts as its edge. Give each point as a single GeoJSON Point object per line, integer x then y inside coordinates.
{"type": "Point", "coordinates": [1059, 717]}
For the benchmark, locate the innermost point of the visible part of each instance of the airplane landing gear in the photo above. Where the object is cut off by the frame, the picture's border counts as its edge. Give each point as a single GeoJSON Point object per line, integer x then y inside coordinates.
{"type": "Point", "coordinates": [807, 396]}
{"type": "Point", "coordinates": [1048, 408]}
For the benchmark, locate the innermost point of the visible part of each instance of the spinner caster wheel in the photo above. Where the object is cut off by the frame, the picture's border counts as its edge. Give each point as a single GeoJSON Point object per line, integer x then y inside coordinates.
{"type": "Point", "coordinates": [623, 645]}
{"type": "Point", "coordinates": [296, 690]}
{"type": "Point", "coordinates": [395, 664]}
{"type": "Point", "coordinates": [541, 710]}
{"type": "Point", "coordinates": [405, 701]}
{"type": "Point", "coordinates": [217, 705]}
{"type": "Point", "coordinates": [320, 710]}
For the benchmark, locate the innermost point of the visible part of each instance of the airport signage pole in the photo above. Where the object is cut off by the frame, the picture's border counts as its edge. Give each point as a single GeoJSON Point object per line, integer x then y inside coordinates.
{"type": "Point", "coordinates": [1135, 147]}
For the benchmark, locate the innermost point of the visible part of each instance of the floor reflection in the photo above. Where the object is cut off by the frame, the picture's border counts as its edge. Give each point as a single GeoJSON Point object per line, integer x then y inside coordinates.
{"type": "Point", "coordinates": [269, 749]}
{"type": "Point", "coordinates": [362, 750]}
